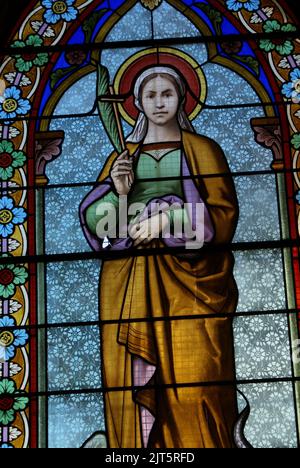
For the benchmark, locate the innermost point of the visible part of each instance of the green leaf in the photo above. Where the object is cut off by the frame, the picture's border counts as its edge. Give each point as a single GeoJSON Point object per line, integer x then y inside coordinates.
{"type": "Point", "coordinates": [214, 15]}
{"type": "Point", "coordinates": [7, 291]}
{"type": "Point", "coordinates": [34, 40]}
{"type": "Point", "coordinates": [251, 62]}
{"type": "Point", "coordinates": [271, 26]}
{"type": "Point", "coordinates": [19, 159]}
{"type": "Point", "coordinates": [286, 48]}
{"type": "Point", "coordinates": [23, 66]}
{"type": "Point", "coordinates": [288, 28]}
{"type": "Point", "coordinates": [41, 60]}
{"type": "Point", "coordinates": [103, 80]}
{"type": "Point", "coordinates": [266, 45]}
{"type": "Point", "coordinates": [106, 109]}
{"type": "Point", "coordinates": [7, 417]}
{"type": "Point", "coordinates": [7, 386]}
{"type": "Point", "coordinates": [20, 403]}
{"type": "Point", "coordinates": [21, 275]}
{"type": "Point", "coordinates": [6, 174]}
{"type": "Point", "coordinates": [19, 44]}
{"type": "Point", "coordinates": [6, 146]}
{"type": "Point", "coordinates": [296, 141]}
{"type": "Point", "coordinates": [60, 74]}
{"type": "Point", "coordinates": [90, 24]}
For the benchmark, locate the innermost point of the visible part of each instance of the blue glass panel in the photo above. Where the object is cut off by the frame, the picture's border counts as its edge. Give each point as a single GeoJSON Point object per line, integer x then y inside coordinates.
{"type": "Point", "coordinates": [227, 87]}
{"type": "Point", "coordinates": [86, 146]}
{"type": "Point", "coordinates": [74, 358]}
{"type": "Point", "coordinates": [272, 420]}
{"type": "Point", "coordinates": [81, 134]}
{"type": "Point", "coordinates": [197, 51]}
{"type": "Point", "coordinates": [69, 284]}
{"type": "Point", "coordinates": [77, 38]}
{"type": "Point", "coordinates": [63, 232]}
{"type": "Point", "coordinates": [232, 130]}
{"type": "Point", "coordinates": [259, 275]}
{"type": "Point", "coordinates": [246, 50]}
{"type": "Point", "coordinates": [115, 4]}
{"type": "Point", "coordinates": [113, 61]}
{"type": "Point", "coordinates": [262, 347]}
{"type": "Point", "coordinates": [259, 217]}
{"type": "Point", "coordinates": [177, 25]}
{"type": "Point", "coordinates": [73, 419]}
{"type": "Point", "coordinates": [78, 99]}
{"type": "Point", "coordinates": [136, 24]}
{"type": "Point", "coordinates": [191, 2]}
{"type": "Point", "coordinates": [228, 28]}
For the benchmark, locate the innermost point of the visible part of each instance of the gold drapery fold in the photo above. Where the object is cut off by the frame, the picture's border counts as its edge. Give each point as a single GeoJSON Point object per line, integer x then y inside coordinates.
{"type": "Point", "coordinates": [184, 351]}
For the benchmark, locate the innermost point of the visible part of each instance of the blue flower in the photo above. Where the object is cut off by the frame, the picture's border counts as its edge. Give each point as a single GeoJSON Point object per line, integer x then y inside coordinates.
{"type": "Point", "coordinates": [237, 5]}
{"type": "Point", "coordinates": [57, 10]}
{"type": "Point", "coordinates": [10, 216]}
{"type": "Point", "coordinates": [10, 339]}
{"type": "Point", "coordinates": [6, 446]}
{"type": "Point", "coordinates": [12, 105]}
{"type": "Point", "coordinates": [292, 89]}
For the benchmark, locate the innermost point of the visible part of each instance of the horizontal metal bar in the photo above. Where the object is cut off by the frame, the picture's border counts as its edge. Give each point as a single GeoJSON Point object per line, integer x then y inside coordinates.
{"type": "Point", "coordinates": [133, 252]}
{"type": "Point", "coordinates": [150, 42]}
{"type": "Point", "coordinates": [134, 388]}
{"type": "Point", "coordinates": [270, 172]}
{"type": "Point", "coordinates": [92, 114]}
{"type": "Point", "coordinates": [100, 323]}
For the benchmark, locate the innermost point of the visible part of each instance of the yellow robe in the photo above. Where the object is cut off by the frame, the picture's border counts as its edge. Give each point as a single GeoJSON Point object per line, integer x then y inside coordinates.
{"type": "Point", "coordinates": [188, 352]}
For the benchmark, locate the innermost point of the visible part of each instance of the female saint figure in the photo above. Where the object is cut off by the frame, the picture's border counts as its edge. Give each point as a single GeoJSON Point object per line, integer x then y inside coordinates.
{"type": "Point", "coordinates": [181, 344]}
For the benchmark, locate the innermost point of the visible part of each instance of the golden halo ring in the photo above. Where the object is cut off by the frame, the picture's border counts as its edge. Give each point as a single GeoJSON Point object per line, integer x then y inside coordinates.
{"type": "Point", "coordinates": [162, 56]}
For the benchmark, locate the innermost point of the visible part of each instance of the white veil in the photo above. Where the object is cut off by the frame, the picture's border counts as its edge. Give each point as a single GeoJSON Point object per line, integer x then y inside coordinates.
{"type": "Point", "coordinates": [140, 128]}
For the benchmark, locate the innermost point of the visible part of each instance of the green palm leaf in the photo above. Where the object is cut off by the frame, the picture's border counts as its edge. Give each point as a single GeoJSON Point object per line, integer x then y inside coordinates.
{"type": "Point", "coordinates": [106, 110]}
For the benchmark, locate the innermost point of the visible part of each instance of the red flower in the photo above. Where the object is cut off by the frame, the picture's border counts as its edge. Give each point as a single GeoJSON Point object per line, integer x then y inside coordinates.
{"type": "Point", "coordinates": [6, 403]}
{"type": "Point", "coordinates": [232, 47]}
{"type": "Point", "coordinates": [76, 57]}
{"type": "Point", "coordinates": [6, 277]}
{"type": "Point", "coordinates": [5, 160]}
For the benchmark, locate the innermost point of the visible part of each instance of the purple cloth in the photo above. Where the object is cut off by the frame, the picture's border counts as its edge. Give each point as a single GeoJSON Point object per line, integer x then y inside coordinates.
{"type": "Point", "coordinates": [191, 195]}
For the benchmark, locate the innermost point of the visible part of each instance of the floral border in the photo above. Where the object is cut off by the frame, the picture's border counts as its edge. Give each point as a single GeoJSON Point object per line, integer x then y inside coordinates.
{"type": "Point", "coordinates": [258, 16]}
{"type": "Point", "coordinates": [20, 76]}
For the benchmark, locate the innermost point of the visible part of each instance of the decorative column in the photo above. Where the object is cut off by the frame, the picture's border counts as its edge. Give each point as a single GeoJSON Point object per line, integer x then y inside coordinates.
{"type": "Point", "coordinates": [48, 147]}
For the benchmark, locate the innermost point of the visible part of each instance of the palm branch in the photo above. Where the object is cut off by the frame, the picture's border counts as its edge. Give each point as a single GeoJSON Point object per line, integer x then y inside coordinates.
{"type": "Point", "coordinates": [108, 111]}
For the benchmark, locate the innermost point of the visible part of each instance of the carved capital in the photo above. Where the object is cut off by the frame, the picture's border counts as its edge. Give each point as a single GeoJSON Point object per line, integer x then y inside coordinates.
{"type": "Point", "coordinates": [48, 147]}
{"type": "Point", "coordinates": [268, 134]}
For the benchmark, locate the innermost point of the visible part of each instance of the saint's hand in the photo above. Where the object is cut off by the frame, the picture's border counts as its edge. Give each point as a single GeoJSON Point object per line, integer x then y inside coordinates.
{"type": "Point", "coordinates": [122, 173]}
{"type": "Point", "coordinates": [145, 231]}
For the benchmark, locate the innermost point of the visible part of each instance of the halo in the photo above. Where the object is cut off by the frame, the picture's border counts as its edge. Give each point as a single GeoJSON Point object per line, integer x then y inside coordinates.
{"type": "Point", "coordinates": [183, 63]}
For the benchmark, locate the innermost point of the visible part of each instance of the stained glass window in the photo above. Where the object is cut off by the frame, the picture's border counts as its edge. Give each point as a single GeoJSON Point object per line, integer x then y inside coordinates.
{"type": "Point", "coordinates": [173, 347]}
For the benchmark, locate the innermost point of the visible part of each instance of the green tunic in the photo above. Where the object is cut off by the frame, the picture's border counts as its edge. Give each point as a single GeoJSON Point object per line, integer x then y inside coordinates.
{"type": "Point", "coordinates": [148, 167]}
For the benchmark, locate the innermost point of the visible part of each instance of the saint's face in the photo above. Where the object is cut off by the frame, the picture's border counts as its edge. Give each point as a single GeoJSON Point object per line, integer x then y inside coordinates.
{"type": "Point", "coordinates": [160, 101]}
